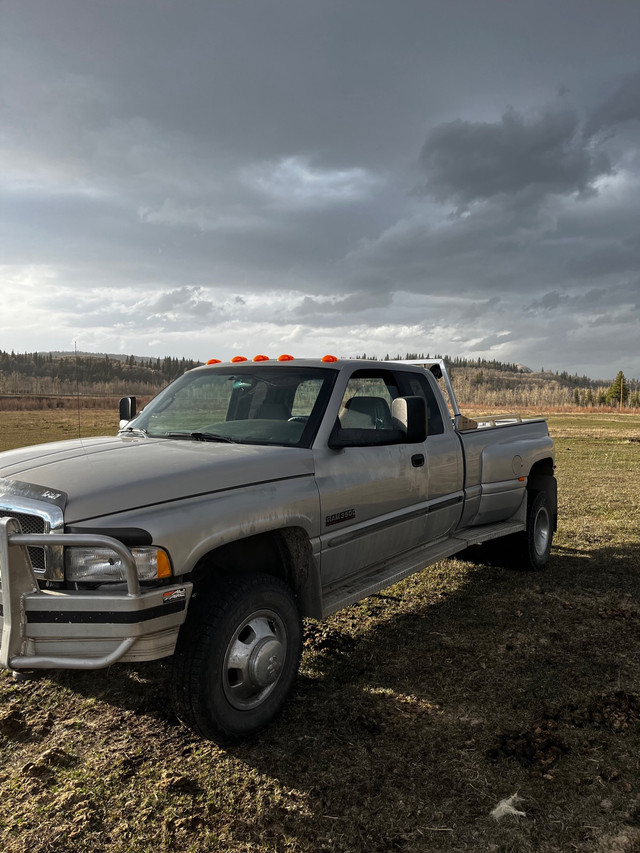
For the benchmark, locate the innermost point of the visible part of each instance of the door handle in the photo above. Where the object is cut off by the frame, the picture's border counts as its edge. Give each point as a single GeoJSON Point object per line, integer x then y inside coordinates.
{"type": "Point", "coordinates": [417, 460]}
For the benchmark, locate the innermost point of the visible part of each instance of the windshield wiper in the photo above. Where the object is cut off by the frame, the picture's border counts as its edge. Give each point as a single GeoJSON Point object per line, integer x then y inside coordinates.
{"type": "Point", "coordinates": [201, 436]}
{"type": "Point", "coordinates": [133, 431]}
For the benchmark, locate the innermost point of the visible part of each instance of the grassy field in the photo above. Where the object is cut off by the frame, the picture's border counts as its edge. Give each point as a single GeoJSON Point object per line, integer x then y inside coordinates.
{"type": "Point", "coordinates": [415, 713]}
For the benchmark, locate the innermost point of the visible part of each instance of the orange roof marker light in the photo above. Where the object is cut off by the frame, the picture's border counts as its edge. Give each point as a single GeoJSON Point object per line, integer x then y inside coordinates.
{"type": "Point", "coordinates": [261, 358]}
{"type": "Point", "coordinates": [330, 358]}
{"type": "Point", "coordinates": [214, 361]}
{"type": "Point", "coordinates": [285, 357]}
{"type": "Point", "coordinates": [238, 358]}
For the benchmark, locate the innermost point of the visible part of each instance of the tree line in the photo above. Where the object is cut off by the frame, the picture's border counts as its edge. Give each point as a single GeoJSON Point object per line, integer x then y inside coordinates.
{"type": "Point", "coordinates": [478, 382]}
{"type": "Point", "coordinates": [619, 394]}
{"type": "Point", "coordinates": [64, 373]}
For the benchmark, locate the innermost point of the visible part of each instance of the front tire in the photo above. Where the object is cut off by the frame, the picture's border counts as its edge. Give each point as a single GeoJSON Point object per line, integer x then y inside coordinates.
{"type": "Point", "coordinates": [237, 656]}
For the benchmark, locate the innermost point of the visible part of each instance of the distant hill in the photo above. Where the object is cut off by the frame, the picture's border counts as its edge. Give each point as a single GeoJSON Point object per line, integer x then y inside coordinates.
{"type": "Point", "coordinates": [86, 373]}
{"type": "Point", "coordinates": [114, 356]}
{"type": "Point", "coordinates": [498, 386]}
{"type": "Point", "coordinates": [479, 383]}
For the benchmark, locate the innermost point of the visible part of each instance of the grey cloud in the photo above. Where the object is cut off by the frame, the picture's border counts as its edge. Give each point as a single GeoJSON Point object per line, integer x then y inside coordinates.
{"type": "Point", "coordinates": [353, 303]}
{"type": "Point", "coordinates": [614, 320]}
{"type": "Point", "coordinates": [491, 342]}
{"type": "Point", "coordinates": [473, 161]}
{"type": "Point", "coordinates": [621, 106]}
{"type": "Point", "coordinates": [162, 161]}
{"type": "Point", "coordinates": [549, 302]}
{"type": "Point", "coordinates": [479, 309]}
{"type": "Point", "coordinates": [185, 300]}
{"type": "Point", "coordinates": [578, 301]}
{"type": "Point", "coordinates": [611, 257]}
{"type": "Point", "coordinates": [493, 248]}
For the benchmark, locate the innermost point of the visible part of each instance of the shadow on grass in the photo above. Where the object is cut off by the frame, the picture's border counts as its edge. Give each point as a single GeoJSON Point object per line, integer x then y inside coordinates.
{"type": "Point", "coordinates": [494, 636]}
{"type": "Point", "coordinates": [397, 737]}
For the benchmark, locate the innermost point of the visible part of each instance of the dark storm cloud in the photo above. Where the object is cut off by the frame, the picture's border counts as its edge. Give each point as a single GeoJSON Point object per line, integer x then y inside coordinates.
{"type": "Point", "coordinates": [617, 256]}
{"type": "Point", "coordinates": [622, 106]}
{"type": "Point", "coordinates": [175, 173]}
{"type": "Point", "coordinates": [491, 341]}
{"type": "Point", "coordinates": [354, 303]}
{"type": "Point", "coordinates": [590, 302]}
{"type": "Point", "coordinates": [549, 302]}
{"type": "Point", "coordinates": [471, 161]}
{"type": "Point", "coordinates": [475, 310]}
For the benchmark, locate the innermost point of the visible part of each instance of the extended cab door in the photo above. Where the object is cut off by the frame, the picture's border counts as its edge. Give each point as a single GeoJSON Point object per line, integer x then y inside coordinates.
{"type": "Point", "coordinates": [375, 500]}
{"type": "Point", "coordinates": [444, 457]}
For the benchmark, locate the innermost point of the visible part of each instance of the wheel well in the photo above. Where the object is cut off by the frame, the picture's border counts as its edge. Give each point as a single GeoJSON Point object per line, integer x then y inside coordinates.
{"type": "Point", "coordinates": [285, 554]}
{"type": "Point", "coordinates": [542, 468]}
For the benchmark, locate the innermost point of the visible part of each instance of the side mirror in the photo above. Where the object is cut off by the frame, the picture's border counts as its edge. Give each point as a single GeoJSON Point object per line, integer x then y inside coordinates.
{"type": "Point", "coordinates": [409, 426]}
{"type": "Point", "coordinates": [127, 410]}
{"type": "Point", "coordinates": [410, 415]}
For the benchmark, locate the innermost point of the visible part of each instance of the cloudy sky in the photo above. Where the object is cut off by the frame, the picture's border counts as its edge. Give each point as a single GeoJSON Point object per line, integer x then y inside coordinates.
{"type": "Point", "coordinates": [209, 178]}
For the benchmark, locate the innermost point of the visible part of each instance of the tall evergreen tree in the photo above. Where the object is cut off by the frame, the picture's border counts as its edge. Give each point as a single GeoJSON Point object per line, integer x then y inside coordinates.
{"type": "Point", "coordinates": [618, 392]}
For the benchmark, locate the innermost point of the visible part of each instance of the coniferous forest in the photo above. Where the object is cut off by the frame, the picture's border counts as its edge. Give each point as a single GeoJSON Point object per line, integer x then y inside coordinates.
{"type": "Point", "coordinates": [56, 379]}
{"type": "Point", "coordinates": [69, 374]}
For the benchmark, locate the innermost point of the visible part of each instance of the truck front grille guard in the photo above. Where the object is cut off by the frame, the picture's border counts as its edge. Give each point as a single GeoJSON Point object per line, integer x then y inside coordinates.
{"type": "Point", "coordinates": [17, 579]}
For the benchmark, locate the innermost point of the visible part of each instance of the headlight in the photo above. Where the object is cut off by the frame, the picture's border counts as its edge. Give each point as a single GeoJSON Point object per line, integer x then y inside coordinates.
{"type": "Point", "coordinates": [101, 565]}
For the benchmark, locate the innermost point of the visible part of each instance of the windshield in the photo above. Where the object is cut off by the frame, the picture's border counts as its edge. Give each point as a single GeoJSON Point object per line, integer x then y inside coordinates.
{"type": "Point", "coordinates": [248, 405]}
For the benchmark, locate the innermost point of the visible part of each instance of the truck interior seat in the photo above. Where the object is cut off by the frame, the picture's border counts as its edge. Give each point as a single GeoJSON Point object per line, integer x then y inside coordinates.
{"type": "Point", "coordinates": [366, 413]}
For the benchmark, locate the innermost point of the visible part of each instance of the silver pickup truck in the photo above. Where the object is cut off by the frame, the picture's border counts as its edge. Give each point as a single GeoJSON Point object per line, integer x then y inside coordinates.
{"type": "Point", "coordinates": [246, 496]}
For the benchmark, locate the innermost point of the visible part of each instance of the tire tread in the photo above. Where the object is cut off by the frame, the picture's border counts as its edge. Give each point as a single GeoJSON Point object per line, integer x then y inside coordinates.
{"type": "Point", "coordinates": [189, 682]}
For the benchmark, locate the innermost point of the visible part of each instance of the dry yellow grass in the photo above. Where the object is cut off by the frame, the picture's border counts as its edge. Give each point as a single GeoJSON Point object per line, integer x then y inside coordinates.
{"type": "Point", "coordinates": [416, 712]}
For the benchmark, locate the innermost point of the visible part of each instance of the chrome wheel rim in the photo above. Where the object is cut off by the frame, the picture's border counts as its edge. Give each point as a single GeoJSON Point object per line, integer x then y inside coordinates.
{"type": "Point", "coordinates": [541, 531]}
{"type": "Point", "coordinates": [254, 660]}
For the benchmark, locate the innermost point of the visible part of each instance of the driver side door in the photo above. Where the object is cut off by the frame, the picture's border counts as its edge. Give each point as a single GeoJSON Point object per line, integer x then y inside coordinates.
{"type": "Point", "coordinates": [373, 498]}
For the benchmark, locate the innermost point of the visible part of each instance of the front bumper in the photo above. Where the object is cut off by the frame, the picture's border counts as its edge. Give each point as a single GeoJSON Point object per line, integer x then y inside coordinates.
{"type": "Point", "coordinates": [80, 629]}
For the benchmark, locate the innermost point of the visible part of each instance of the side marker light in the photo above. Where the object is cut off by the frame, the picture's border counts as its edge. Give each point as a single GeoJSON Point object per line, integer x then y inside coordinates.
{"type": "Point", "coordinates": [164, 566]}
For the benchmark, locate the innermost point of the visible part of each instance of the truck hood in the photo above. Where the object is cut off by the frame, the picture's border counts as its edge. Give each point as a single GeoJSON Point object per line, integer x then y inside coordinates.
{"type": "Point", "coordinates": [105, 475]}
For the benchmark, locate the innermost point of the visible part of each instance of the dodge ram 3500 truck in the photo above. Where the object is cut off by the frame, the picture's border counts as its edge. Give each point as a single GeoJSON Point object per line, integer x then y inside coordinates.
{"type": "Point", "coordinates": [246, 496]}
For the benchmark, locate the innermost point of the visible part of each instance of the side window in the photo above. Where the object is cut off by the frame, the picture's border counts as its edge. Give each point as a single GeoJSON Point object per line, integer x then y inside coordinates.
{"type": "Point", "coordinates": [419, 386]}
{"type": "Point", "coordinates": [367, 400]}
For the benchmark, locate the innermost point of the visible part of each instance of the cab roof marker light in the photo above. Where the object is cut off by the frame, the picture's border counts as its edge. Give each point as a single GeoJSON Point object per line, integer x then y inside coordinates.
{"type": "Point", "coordinates": [238, 358]}
{"type": "Point", "coordinates": [214, 361]}
{"type": "Point", "coordinates": [261, 358]}
{"type": "Point", "coordinates": [285, 357]}
{"type": "Point", "coordinates": [328, 358]}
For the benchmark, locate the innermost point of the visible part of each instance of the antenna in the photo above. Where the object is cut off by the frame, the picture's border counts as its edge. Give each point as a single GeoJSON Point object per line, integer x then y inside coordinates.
{"type": "Point", "coordinates": [75, 350]}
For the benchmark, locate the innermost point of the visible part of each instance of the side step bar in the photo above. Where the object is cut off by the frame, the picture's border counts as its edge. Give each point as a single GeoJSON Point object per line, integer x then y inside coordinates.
{"type": "Point", "coordinates": [385, 574]}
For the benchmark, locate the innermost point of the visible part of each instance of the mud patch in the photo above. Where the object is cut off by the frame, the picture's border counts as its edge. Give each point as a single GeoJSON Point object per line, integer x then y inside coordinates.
{"type": "Point", "coordinates": [615, 711]}
{"type": "Point", "coordinates": [537, 748]}
{"type": "Point", "coordinates": [325, 638]}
